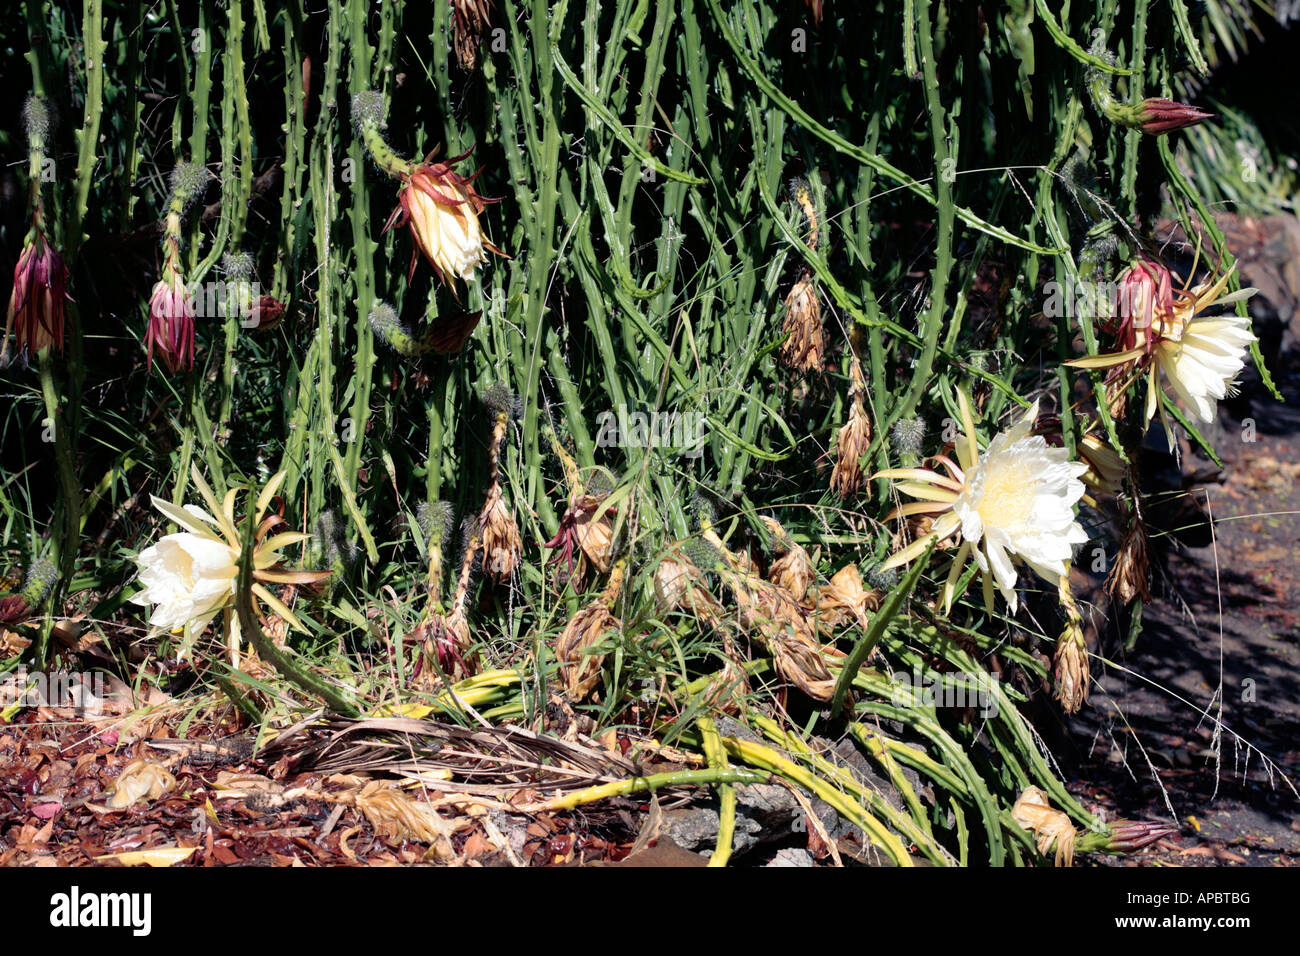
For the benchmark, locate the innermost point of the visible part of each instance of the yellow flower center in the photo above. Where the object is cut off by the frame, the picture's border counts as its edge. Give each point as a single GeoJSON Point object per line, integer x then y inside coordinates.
{"type": "Point", "coordinates": [1008, 498]}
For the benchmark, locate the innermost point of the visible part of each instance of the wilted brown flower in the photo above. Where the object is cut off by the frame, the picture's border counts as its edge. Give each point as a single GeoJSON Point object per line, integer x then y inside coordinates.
{"type": "Point", "coordinates": [846, 598]}
{"type": "Point", "coordinates": [673, 580]}
{"type": "Point", "coordinates": [677, 588]}
{"type": "Point", "coordinates": [1034, 812]}
{"type": "Point", "coordinates": [771, 615]}
{"type": "Point", "coordinates": [1071, 661]}
{"type": "Point", "coordinates": [1131, 576]}
{"type": "Point", "coordinates": [469, 19]}
{"type": "Point", "coordinates": [397, 817]}
{"type": "Point", "coordinates": [502, 546]}
{"type": "Point", "coordinates": [853, 439]}
{"type": "Point", "coordinates": [805, 339]}
{"type": "Point", "coordinates": [579, 669]}
{"type": "Point", "coordinates": [793, 568]}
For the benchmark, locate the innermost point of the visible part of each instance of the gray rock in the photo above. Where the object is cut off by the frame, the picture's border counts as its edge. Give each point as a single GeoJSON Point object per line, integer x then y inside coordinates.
{"type": "Point", "coordinates": [791, 857]}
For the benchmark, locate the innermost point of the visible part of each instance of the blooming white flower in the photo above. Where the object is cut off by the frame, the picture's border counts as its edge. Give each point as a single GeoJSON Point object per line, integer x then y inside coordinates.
{"type": "Point", "coordinates": [1019, 501]}
{"type": "Point", "coordinates": [1164, 334]}
{"type": "Point", "coordinates": [191, 576]}
{"type": "Point", "coordinates": [448, 234]}
{"type": "Point", "coordinates": [1015, 501]}
{"type": "Point", "coordinates": [442, 207]}
{"type": "Point", "coordinates": [1202, 360]}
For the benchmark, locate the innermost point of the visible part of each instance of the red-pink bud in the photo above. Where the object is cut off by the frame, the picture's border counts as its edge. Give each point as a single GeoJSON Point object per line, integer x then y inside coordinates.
{"type": "Point", "coordinates": [171, 325]}
{"type": "Point", "coordinates": [1158, 116]}
{"type": "Point", "coordinates": [36, 309]}
{"type": "Point", "coordinates": [1145, 295]}
{"type": "Point", "coordinates": [1127, 836]}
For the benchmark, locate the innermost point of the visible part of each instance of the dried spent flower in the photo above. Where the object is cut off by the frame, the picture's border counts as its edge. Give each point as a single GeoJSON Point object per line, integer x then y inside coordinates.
{"type": "Point", "coordinates": [1033, 811]}
{"type": "Point", "coordinates": [853, 439]}
{"type": "Point", "coordinates": [579, 667]}
{"type": "Point", "coordinates": [844, 598]}
{"type": "Point", "coordinates": [1130, 577]}
{"type": "Point", "coordinates": [470, 18]}
{"type": "Point", "coordinates": [502, 546]}
{"type": "Point", "coordinates": [1071, 660]}
{"type": "Point", "coordinates": [805, 339]}
{"type": "Point", "coordinates": [793, 568]}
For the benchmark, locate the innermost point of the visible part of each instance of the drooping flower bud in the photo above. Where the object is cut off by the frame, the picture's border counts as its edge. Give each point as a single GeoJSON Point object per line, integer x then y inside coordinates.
{"type": "Point", "coordinates": [36, 310]}
{"type": "Point", "coordinates": [171, 324]}
{"type": "Point", "coordinates": [442, 207]}
{"type": "Point", "coordinates": [16, 607]}
{"type": "Point", "coordinates": [1146, 299]}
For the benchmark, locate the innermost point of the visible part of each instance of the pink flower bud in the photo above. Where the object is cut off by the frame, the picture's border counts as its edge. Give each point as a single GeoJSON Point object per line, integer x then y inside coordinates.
{"type": "Point", "coordinates": [171, 325]}
{"type": "Point", "coordinates": [36, 302]}
{"type": "Point", "coordinates": [1145, 296]}
{"type": "Point", "coordinates": [1128, 836]}
{"type": "Point", "coordinates": [1158, 116]}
